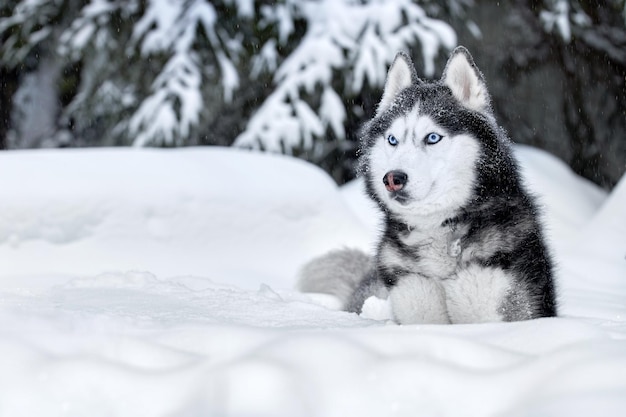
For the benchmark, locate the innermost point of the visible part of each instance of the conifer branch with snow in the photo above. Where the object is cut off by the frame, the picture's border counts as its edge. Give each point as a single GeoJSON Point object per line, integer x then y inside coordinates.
{"type": "Point", "coordinates": [357, 40]}
{"type": "Point", "coordinates": [280, 76]}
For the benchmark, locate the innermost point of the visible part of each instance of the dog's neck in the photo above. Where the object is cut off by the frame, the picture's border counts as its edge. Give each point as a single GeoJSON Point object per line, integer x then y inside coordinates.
{"type": "Point", "coordinates": [435, 223]}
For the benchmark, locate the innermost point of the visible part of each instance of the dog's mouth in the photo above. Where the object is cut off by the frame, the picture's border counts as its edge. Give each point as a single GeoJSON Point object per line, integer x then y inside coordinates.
{"type": "Point", "coordinates": [405, 198]}
{"type": "Point", "coordinates": [400, 196]}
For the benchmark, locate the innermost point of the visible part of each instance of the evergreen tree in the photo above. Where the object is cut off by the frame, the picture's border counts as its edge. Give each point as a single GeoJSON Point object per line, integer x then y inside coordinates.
{"type": "Point", "coordinates": [287, 76]}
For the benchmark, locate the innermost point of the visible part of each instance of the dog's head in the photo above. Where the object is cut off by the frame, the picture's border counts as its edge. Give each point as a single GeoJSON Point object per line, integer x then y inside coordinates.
{"type": "Point", "coordinates": [420, 153]}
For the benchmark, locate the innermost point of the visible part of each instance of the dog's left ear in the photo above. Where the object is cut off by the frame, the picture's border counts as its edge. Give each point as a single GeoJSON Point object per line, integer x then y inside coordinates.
{"type": "Point", "coordinates": [466, 81]}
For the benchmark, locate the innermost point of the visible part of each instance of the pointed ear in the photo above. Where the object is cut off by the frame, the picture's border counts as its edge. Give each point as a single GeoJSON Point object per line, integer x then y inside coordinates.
{"type": "Point", "coordinates": [466, 81]}
{"type": "Point", "coordinates": [401, 75]}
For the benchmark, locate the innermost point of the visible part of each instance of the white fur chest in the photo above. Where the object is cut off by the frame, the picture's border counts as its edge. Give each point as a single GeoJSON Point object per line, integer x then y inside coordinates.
{"type": "Point", "coordinates": [431, 253]}
{"type": "Point", "coordinates": [437, 252]}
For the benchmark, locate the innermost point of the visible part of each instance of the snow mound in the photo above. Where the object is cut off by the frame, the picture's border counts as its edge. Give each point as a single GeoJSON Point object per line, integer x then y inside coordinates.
{"type": "Point", "coordinates": [214, 328]}
{"type": "Point", "coordinates": [569, 201]}
{"type": "Point", "coordinates": [177, 212]}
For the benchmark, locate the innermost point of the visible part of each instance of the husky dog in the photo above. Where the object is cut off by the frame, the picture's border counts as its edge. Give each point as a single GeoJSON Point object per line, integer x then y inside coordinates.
{"type": "Point", "coordinates": [461, 240]}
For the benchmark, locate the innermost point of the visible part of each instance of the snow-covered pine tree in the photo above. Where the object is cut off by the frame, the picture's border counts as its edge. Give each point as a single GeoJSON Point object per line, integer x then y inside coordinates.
{"type": "Point", "coordinates": [158, 64]}
{"type": "Point", "coordinates": [288, 76]}
{"type": "Point", "coordinates": [147, 71]}
{"type": "Point", "coordinates": [345, 51]}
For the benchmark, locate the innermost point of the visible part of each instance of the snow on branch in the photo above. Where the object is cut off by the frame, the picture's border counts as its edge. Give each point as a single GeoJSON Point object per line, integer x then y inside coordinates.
{"type": "Point", "coordinates": [342, 36]}
{"type": "Point", "coordinates": [566, 18]}
{"type": "Point", "coordinates": [167, 115]}
{"type": "Point", "coordinates": [166, 72]}
{"type": "Point", "coordinates": [25, 29]}
{"type": "Point", "coordinates": [167, 33]}
{"type": "Point", "coordinates": [557, 16]}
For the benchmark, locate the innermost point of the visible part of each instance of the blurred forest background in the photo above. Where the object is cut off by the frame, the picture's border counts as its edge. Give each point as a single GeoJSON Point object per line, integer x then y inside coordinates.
{"type": "Point", "coordinates": [300, 76]}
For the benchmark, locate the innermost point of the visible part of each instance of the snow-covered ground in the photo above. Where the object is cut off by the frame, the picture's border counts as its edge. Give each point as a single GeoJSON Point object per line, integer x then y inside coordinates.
{"type": "Point", "coordinates": [160, 283]}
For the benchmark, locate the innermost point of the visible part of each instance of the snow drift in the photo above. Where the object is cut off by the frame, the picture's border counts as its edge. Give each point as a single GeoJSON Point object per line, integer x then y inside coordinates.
{"type": "Point", "coordinates": [209, 212]}
{"type": "Point", "coordinates": [159, 283]}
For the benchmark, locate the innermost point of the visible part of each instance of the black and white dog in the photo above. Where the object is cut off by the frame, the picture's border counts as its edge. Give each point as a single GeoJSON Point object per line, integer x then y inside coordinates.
{"type": "Point", "coordinates": [462, 242]}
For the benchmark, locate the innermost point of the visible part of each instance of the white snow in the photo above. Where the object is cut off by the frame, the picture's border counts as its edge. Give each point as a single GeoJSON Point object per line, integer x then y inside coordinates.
{"type": "Point", "coordinates": [558, 15]}
{"type": "Point", "coordinates": [333, 113]}
{"type": "Point", "coordinates": [159, 283]}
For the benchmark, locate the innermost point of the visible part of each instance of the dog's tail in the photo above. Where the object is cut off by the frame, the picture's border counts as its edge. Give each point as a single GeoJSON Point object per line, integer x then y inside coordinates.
{"type": "Point", "coordinates": [339, 273]}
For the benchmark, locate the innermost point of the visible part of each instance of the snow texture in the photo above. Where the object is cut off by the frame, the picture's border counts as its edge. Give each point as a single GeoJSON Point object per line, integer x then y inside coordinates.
{"type": "Point", "coordinates": [159, 283]}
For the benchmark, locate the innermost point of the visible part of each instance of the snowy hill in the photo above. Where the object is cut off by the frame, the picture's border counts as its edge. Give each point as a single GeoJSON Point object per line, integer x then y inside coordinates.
{"type": "Point", "coordinates": [160, 283]}
{"type": "Point", "coordinates": [208, 212]}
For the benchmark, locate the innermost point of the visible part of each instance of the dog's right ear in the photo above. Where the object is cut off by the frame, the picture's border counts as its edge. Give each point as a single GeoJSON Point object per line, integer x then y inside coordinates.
{"type": "Point", "coordinates": [401, 75]}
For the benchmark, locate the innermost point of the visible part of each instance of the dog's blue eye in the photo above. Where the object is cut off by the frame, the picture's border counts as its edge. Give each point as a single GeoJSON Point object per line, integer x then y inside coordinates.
{"type": "Point", "coordinates": [433, 138]}
{"type": "Point", "coordinates": [392, 140]}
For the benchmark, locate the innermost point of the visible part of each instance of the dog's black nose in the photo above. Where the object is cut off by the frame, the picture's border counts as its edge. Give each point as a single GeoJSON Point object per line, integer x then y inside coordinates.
{"type": "Point", "coordinates": [395, 180]}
